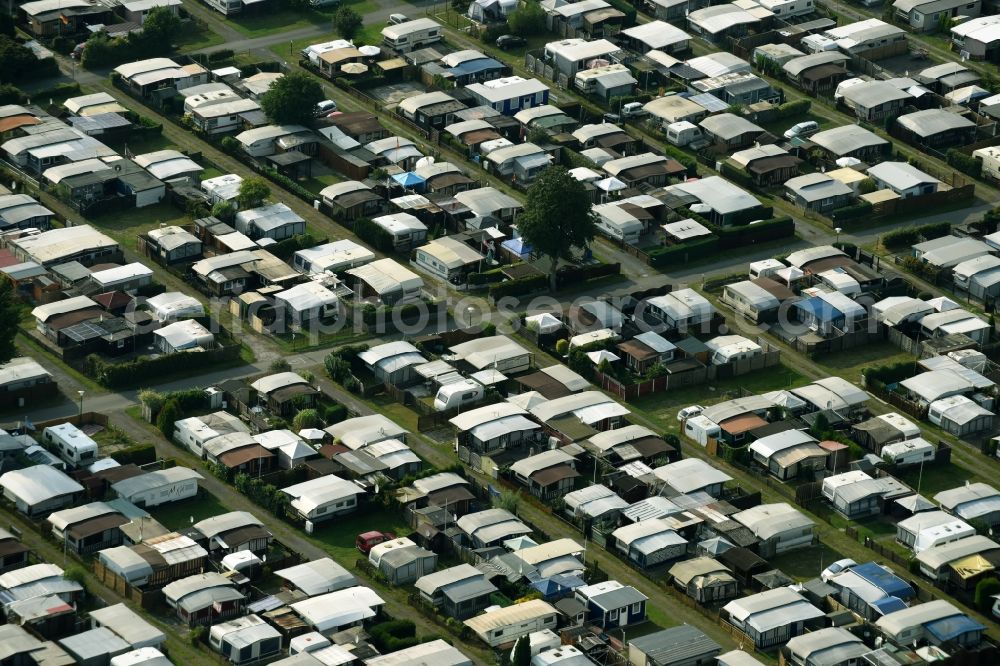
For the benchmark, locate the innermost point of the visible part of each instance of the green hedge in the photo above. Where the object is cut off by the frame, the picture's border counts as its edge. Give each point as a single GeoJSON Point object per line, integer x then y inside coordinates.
{"type": "Point", "coordinates": [145, 369]}
{"type": "Point", "coordinates": [967, 164]}
{"type": "Point", "coordinates": [903, 238]}
{"type": "Point", "coordinates": [370, 315]}
{"type": "Point", "coordinates": [689, 162]}
{"type": "Point", "coordinates": [851, 212]}
{"type": "Point", "coordinates": [374, 235]}
{"type": "Point", "coordinates": [799, 107]}
{"type": "Point", "coordinates": [761, 232]}
{"type": "Point", "coordinates": [681, 254]}
{"type": "Point", "coordinates": [519, 287]}
{"type": "Point", "coordinates": [284, 249]}
{"type": "Point", "coordinates": [142, 454]}
{"type": "Point", "coordinates": [735, 174]}
{"type": "Point", "coordinates": [577, 274]}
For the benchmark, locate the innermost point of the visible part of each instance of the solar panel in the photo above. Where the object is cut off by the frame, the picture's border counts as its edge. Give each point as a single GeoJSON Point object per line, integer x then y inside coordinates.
{"type": "Point", "coordinates": [83, 332]}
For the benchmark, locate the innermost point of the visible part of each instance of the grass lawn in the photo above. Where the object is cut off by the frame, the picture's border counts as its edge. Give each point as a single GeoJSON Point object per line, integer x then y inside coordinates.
{"type": "Point", "coordinates": [307, 341]}
{"type": "Point", "coordinates": [338, 535]}
{"type": "Point", "coordinates": [849, 364]}
{"type": "Point", "coordinates": [401, 414]}
{"type": "Point", "coordinates": [936, 478]}
{"type": "Point", "coordinates": [178, 515]}
{"type": "Point", "coordinates": [369, 34]}
{"type": "Point", "coordinates": [265, 23]}
{"type": "Point", "coordinates": [196, 36]}
{"type": "Point", "coordinates": [662, 407]}
{"type": "Point", "coordinates": [146, 144]}
{"type": "Point", "coordinates": [805, 563]}
{"type": "Point", "coordinates": [777, 128]}
{"type": "Point", "coordinates": [125, 225]}
{"type": "Point", "coordinates": [211, 172]}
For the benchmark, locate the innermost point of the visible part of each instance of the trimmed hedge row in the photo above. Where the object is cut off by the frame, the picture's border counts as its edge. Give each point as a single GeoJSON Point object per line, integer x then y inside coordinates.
{"type": "Point", "coordinates": [145, 368]}
{"type": "Point", "coordinates": [519, 287]}
{"type": "Point", "coordinates": [967, 164]}
{"type": "Point", "coordinates": [902, 238]}
{"type": "Point", "coordinates": [374, 235]}
{"type": "Point", "coordinates": [851, 212]}
{"type": "Point", "coordinates": [722, 239]}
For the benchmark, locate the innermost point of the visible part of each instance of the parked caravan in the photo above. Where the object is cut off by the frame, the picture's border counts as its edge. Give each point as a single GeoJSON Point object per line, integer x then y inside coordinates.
{"type": "Point", "coordinates": [71, 444]}
{"type": "Point", "coordinates": [701, 429]}
{"type": "Point", "coordinates": [684, 133]}
{"type": "Point", "coordinates": [910, 452]}
{"type": "Point", "coordinates": [458, 394]}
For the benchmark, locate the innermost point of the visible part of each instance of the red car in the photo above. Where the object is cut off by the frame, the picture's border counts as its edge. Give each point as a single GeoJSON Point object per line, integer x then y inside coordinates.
{"type": "Point", "coordinates": [367, 540]}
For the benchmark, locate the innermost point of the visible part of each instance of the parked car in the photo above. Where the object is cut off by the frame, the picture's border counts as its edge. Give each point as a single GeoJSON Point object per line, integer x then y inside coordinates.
{"type": "Point", "coordinates": [836, 568]}
{"type": "Point", "coordinates": [509, 41]}
{"type": "Point", "coordinates": [368, 540]}
{"type": "Point", "coordinates": [396, 19]}
{"type": "Point", "coordinates": [325, 108]}
{"type": "Point", "coordinates": [805, 128]}
{"type": "Point", "coordinates": [690, 412]}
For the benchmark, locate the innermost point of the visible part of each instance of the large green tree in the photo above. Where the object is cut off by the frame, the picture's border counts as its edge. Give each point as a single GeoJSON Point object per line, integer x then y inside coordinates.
{"type": "Point", "coordinates": [521, 655]}
{"type": "Point", "coordinates": [557, 216]}
{"type": "Point", "coordinates": [253, 192]}
{"type": "Point", "coordinates": [10, 315]}
{"type": "Point", "coordinates": [160, 27]}
{"type": "Point", "coordinates": [17, 62]}
{"type": "Point", "coordinates": [347, 22]}
{"type": "Point", "coordinates": [292, 99]}
{"type": "Point", "coordinates": [527, 20]}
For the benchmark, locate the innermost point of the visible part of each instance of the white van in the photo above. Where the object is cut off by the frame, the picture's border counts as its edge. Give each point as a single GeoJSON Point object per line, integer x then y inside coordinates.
{"type": "Point", "coordinates": [458, 394]}
{"type": "Point", "coordinates": [70, 444]}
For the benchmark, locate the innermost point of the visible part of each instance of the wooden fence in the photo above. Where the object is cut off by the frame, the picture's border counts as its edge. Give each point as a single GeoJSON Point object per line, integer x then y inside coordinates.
{"type": "Point", "coordinates": [700, 375]}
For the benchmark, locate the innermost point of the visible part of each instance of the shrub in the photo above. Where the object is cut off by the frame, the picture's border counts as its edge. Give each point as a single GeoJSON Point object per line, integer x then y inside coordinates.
{"type": "Point", "coordinates": [682, 254]}
{"type": "Point", "coordinates": [374, 235]}
{"type": "Point", "coordinates": [334, 414]}
{"type": "Point", "coordinates": [519, 287]}
{"type": "Point", "coordinates": [985, 590]}
{"type": "Point", "coordinates": [967, 164]}
{"type": "Point", "coordinates": [279, 365]}
{"type": "Point", "coordinates": [853, 212]}
{"type": "Point", "coordinates": [903, 238]}
{"type": "Point", "coordinates": [170, 414]}
{"type": "Point", "coordinates": [141, 454]}
{"type": "Point", "coordinates": [562, 346]}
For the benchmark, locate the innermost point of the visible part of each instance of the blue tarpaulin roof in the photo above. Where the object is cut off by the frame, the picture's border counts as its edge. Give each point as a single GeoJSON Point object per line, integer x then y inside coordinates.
{"type": "Point", "coordinates": [408, 179]}
{"type": "Point", "coordinates": [888, 605]}
{"type": "Point", "coordinates": [517, 246]}
{"type": "Point", "coordinates": [475, 66]}
{"type": "Point", "coordinates": [558, 585]}
{"type": "Point", "coordinates": [888, 582]}
{"type": "Point", "coordinates": [820, 309]}
{"type": "Point", "coordinates": [950, 628]}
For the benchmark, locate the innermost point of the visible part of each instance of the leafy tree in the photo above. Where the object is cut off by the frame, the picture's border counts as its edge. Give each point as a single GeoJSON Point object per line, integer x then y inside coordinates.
{"type": "Point", "coordinates": [159, 28]}
{"type": "Point", "coordinates": [17, 61]}
{"type": "Point", "coordinates": [253, 192]}
{"type": "Point", "coordinates": [985, 589]}
{"type": "Point", "coordinates": [562, 346]}
{"type": "Point", "coordinates": [10, 94]}
{"type": "Point", "coordinates": [224, 211]}
{"type": "Point", "coordinates": [867, 186]}
{"type": "Point", "coordinates": [279, 365]}
{"type": "Point", "coordinates": [521, 655]}
{"type": "Point", "coordinates": [307, 418]}
{"type": "Point", "coordinates": [557, 216]}
{"type": "Point", "coordinates": [292, 99]}
{"type": "Point", "coordinates": [170, 414]}
{"type": "Point", "coordinates": [6, 25]}
{"type": "Point", "coordinates": [538, 135]}
{"type": "Point", "coordinates": [527, 20]}
{"type": "Point", "coordinates": [10, 315]}
{"type": "Point", "coordinates": [508, 500]}
{"type": "Point", "coordinates": [346, 22]}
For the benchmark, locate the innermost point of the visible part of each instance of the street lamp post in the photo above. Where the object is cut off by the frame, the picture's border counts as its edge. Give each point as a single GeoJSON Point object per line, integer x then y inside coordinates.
{"type": "Point", "coordinates": [81, 394]}
{"type": "Point", "coordinates": [838, 230]}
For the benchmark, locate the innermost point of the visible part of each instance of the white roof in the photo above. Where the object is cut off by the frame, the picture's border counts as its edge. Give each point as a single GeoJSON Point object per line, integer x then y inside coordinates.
{"type": "Point", "coordinates": [527, 466]}
{"type": "Point", "coordinates": [897, 622]}
{"type": "Point", "coordinates": [50, 246]}
{"type": "Point", "coordinates": [20, 369]}
{"type": "Point", "coordinates": [336, 255]}
{"type": "Point", "coordinates": [278, 380]}
{"type": "Point", "coordinates": [657, 34]}
{"type": "Point", "coordinates": [360, 431]}
{"type": "Point", "coordinates": [719, 194]}
{"type": "Point", "coordinates": [769, 520]}
{"type": "Point", "coordinates": [434, 653]}
{"type": "Point", "coordinates": [172, 304]}
{"type": "Point", "coordinates": [184, 333]}
{"type": "Point", "coordinates": [575, 50]}
{"type": "Point", "coordinates": [127, 488]}
{"type": "Point", "coordinates": [486, 200]}
{"type": "Point", "coordinates": [578, 404]}
{"type": "Point", "coordinates": [451, 252]}
{"type": "Point", "coordinates": [386, 276]}
{"type": "Point", "coordinates": [307, 296]}
{"type": "Point", "coordinates": [511, 87]}
{"type": "Point", "coordinates": [985, 29]}
{"type": "Point", "coordinates": [119, 274]}
{"type": "Point", "coordinates": [318, 576]}
{"type": "Point", "coordinates": [340, 608]}
{"type": "Point", "coordinates": [33, 485]}
{"type": "Point", "coordinates": [690, 474]}
{"type": "Point", "coordinates": [720, 17]}
{"type": "Point", "coordinates": [485, 352]}
{"type": "Point", "coordinates": [771, 609]}
{"type": "Point", "coordinates": [483, 415]}
{"type": "Point", "coordinates": [768, 446]}
{"type": "Point", "coordinates": [45, 312]}
{"type": "Point", "coordinates": [683, 304]}
{"type": "Point", "coordinates": [309, 495]}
